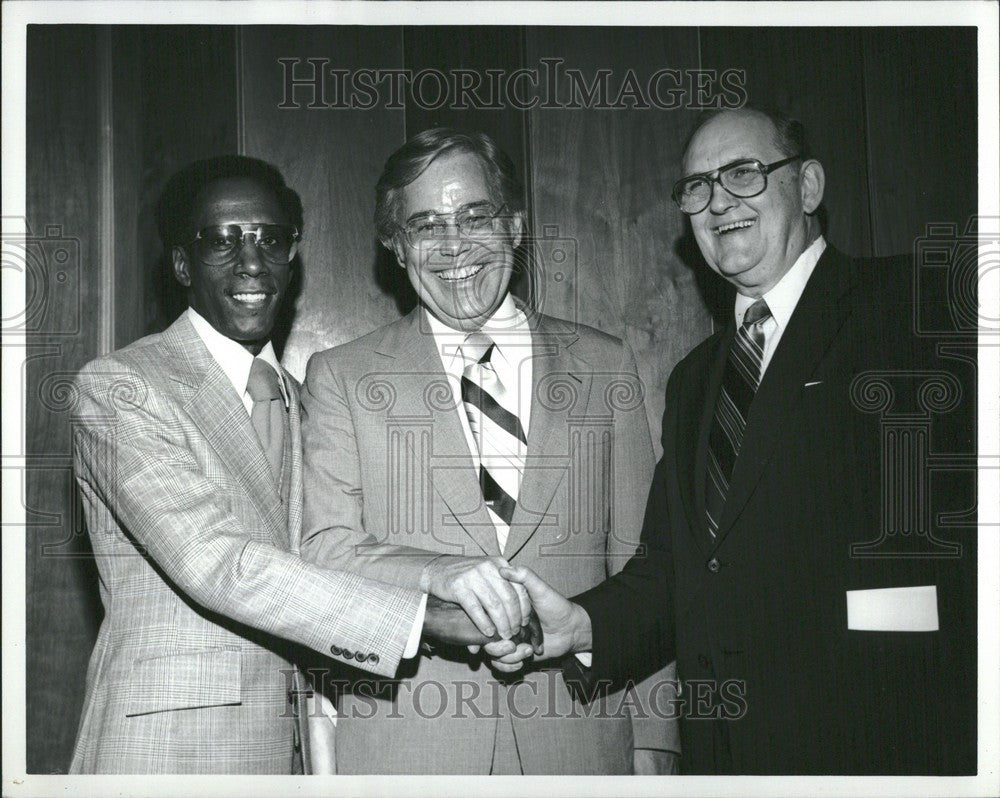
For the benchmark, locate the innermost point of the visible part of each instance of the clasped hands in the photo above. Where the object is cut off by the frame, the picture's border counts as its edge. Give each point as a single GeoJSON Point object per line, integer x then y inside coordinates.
{"type": "Point", "coordinates": [511, 613]}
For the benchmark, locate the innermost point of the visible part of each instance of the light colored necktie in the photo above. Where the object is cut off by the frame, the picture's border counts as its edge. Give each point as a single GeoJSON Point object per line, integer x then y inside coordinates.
{"type": "Point", "coordinates": [502, 444]}
{"type": "Point", "coordinates": [268, 415]}
{"type": "Point", "coordinates": [739, 386]}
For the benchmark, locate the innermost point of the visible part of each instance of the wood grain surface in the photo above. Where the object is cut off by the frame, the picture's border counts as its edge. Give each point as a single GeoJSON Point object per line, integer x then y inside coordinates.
{"type": "Point", "coordinates": [601, 184]}
{"type": "Point", "coordinates": [63, 177]}
{"type": "Point", "coordinates": [332, 157]}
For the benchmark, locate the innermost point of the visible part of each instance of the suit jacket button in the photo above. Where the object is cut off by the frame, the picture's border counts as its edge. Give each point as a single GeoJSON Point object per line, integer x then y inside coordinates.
{"type": "Point", "coordinates": [360, 657]}
{"type": "Point", "coordinates": [347, 654]}
{"type": "Point", "coordinates": [713, 565]}
{"type": "Point", "coordinates": [336, 650]}
{"type": "Point", "coordinates": [373, 659]}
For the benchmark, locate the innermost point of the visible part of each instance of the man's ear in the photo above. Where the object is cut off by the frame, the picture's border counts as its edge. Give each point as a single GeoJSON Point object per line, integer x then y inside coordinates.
{"type": "Point", "coordinates": [397, 248]}
{"type": "Point", "coordinates": [516, 228]}
{"type": "Point", "coordinates": [812, 180]}
{"type": "Point", "coordinates": [181, 266]}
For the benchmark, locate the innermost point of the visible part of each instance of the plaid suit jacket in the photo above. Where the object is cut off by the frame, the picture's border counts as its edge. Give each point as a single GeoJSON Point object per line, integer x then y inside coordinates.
{"type": "Point", "coordinates": [204, 594]}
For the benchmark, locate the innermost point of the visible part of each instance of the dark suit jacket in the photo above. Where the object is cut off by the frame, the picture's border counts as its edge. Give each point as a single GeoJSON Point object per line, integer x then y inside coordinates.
{"type": "Point", "coordinates": [851, 415]}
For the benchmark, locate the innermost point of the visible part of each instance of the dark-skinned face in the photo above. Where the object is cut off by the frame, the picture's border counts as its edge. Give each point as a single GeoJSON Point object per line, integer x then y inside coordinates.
{"type": "Point", "coordinates": [241, 297]}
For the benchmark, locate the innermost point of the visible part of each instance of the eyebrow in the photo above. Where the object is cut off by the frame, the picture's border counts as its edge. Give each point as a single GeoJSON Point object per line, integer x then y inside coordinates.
{"type": "Point", "coordinates": [722, 166]}
{"type": "Point", "coordinates": [459, 209]}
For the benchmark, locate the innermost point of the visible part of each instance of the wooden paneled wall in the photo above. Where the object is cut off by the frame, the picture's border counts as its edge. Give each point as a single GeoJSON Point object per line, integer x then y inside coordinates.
{"type": "Point", "coordinates": [332, 157]}
{"type": "Point", "coordinates": [601, 181]}
{"type": "Point", "coordinates": [112, 112]}
{"type": "Point", "coordinates": [921, 133]}
{"type": "Point", "coordinates": [63, 173]}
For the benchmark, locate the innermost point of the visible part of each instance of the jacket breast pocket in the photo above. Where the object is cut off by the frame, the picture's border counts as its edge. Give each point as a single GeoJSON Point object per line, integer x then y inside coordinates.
{"type": "Point", "coordinates": [207, 678]}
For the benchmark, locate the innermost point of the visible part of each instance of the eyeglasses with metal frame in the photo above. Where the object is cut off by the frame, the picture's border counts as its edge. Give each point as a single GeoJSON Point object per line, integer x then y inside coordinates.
{"type": "Point", "coordinates": [220, 244]}
{"type": "Point", "coordinates": [477, 220]}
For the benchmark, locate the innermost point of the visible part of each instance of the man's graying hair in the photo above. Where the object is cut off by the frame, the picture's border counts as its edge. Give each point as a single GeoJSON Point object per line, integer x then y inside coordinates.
{"type": "Point", "coordinates": [789, 133]}
{"type": "Point", "coordinates": [409, 162]}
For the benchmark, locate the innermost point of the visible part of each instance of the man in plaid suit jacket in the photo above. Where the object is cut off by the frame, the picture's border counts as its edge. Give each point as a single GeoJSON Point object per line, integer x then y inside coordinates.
{"type": "Point", "coordinates": [205, 596]}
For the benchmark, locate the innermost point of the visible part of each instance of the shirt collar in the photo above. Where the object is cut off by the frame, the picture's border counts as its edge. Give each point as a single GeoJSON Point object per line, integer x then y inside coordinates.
{"type": "Point", "coordinates": [784, 296]}
{"type": "Point", "coordinates": [234, 360]}
{"type": "Point", "coordinates": [508, 328]}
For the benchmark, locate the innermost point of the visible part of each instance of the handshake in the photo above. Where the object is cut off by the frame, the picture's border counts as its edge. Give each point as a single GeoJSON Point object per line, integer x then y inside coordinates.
{"type": "Point", "coordinates": [510, 613]}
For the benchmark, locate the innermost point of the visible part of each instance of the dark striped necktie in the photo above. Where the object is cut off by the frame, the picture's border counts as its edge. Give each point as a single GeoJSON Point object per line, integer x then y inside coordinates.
{"type": "Point", "coordinates": [739, 385]}
{"type": "Point", "coordinates": [492, 413]}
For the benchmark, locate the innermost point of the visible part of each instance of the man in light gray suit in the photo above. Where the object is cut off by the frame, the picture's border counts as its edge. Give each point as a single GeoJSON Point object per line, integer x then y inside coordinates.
{"type": "Point", "coordinates": [188, 457]}
{"type": "Point", "coordinates": [470, 434]}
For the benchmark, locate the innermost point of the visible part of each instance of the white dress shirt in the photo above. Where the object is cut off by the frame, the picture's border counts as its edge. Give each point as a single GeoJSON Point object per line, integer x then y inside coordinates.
{"type": "Point", "coordinates": [782, 299]}
{"type": "Point", "coordinates": [233, 358]}
{"type": "Point", "coordinates": [235, 362]}
{"type": "Point", "coordinates": [509, 330]}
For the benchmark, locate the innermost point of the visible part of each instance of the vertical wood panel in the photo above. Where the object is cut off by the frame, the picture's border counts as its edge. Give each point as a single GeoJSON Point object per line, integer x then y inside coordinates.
{"type": "Point", "coordinates": [131, 278]}
{"type": "Point", "coordinates": [449, 49]}
{"type": "Point", "coordinates": [601, 181]}
{"type": "Point", "coordinates": [814, 74]}
{"type": "Point", "coordinates": [920, 91]}
{"type": "Point", "coordinates": [332, 157]}
{"type": "Point", "coordinates": [63, 176]}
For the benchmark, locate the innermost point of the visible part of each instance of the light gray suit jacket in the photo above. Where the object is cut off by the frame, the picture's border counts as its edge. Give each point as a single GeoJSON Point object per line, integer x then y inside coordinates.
{"type": "Point", "coordinates": [201, 584]}
{"type": "Point", "coordinates": [390, 484]}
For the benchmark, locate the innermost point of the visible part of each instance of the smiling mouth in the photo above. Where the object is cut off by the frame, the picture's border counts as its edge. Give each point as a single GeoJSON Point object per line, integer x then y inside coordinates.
{"type": "Point", "coordinates": [251, 298]}
{"type": "Point", "coordinates": [732, 227]}
{"type": "Point", "coordinates": [461, 273]}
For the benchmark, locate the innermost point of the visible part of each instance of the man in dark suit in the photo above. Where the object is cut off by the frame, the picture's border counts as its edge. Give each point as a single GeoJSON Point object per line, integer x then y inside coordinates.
{"type": "Point", "coordinates": [789, 564]}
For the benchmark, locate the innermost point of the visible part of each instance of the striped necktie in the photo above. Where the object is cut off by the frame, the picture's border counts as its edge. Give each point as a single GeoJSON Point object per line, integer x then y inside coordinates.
{"type": "Point", "coordinates": [739, 385]}
{"type": "Point", "coordinates": [492, 413]}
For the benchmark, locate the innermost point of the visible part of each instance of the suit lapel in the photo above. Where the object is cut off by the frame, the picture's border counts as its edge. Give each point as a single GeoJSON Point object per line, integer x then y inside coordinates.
{"type": "Point", "coordinates": [294, 510]}
{"type": "Point", "coordinates": [815, 323]}
{"type": "Point", "coordinates": [211, 402]}
{"type": "Point", "coordinates": [695, 415]}
{"type": "Point", "coordinates": [424, 395]}
{"type": "Point", "coordinates": [561, 384]}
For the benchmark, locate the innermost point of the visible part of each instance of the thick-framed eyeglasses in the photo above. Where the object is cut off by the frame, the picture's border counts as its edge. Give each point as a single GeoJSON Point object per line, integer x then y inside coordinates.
{"type": "Point", "coordinates": [744, 178]}
{"type": "Point", "coordinates": [472, 221]}
{"type": "Point", "coordinates": [220, 244]}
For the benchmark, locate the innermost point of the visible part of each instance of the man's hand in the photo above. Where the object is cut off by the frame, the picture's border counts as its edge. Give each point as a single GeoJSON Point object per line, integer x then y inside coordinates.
{"type": "Point", "coordinates": [565, 625]}
{"type": "Point", "coordinates": [448, 623]}
{"type": "Point", "coordinates": [496, 606]}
